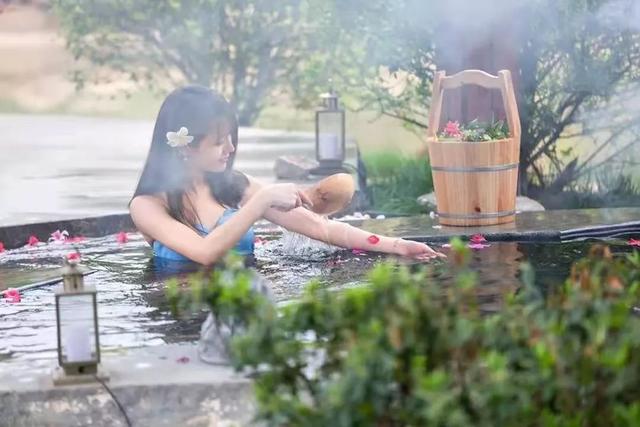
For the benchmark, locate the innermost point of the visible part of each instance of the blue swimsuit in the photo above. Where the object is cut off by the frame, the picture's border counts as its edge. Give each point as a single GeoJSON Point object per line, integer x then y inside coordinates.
{"type": "Point", "coordinates": [243, 247]}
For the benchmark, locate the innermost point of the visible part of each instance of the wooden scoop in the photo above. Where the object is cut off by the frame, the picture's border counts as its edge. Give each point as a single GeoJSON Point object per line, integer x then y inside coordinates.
{"type": "Point", "coordinates": [331, 194]}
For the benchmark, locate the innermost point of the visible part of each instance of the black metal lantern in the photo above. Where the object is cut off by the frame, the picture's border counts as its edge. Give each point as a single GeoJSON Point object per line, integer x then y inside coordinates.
{"type": "Point", "coordinates": [77, 325]}
{"type": "Point", "coordinates": [330, 136]}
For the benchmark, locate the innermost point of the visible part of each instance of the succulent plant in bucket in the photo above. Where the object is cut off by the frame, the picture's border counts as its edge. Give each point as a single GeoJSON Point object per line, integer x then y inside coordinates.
{"type": "Point", "coordinates": [475, 131]}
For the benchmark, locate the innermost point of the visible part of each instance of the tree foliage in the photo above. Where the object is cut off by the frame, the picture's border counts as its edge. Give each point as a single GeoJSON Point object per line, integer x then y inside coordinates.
{"type": "Point", "coordinates": [577, 71]}
{"type": "Point", "coordinates": [243, 48]}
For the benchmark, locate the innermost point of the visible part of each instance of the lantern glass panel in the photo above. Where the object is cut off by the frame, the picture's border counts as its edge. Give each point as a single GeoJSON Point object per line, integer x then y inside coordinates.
{"type": "Point", "coordinates": [77, 328]}
{"type": "Point", "coordinates": [330, 135]}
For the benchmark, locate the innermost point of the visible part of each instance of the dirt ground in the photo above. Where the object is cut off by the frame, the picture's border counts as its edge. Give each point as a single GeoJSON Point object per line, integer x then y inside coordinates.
{"type": "Point", "coordinates": [33, 74]}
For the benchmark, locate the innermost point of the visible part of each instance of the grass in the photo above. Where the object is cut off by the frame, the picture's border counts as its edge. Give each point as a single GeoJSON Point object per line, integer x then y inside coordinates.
{"type": "Point", "coordinates": [140, 105]}
{"type": "Point", "coordinates": [396, 180]}
{"type": "Point", "coordinates": [371, 132]}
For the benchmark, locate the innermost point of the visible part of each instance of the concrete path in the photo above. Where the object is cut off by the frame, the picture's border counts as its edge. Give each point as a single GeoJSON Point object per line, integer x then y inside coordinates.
{"type": "Point", "coordinates": [187, 393]}
{"type": "Point", "coordinates": [63, 167]}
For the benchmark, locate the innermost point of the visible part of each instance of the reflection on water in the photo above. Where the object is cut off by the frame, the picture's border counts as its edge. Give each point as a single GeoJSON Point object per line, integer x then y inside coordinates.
{"type": "Point", "coordinates": [133, 311]}
{"type": "Point", "coordinates": [497, 267]}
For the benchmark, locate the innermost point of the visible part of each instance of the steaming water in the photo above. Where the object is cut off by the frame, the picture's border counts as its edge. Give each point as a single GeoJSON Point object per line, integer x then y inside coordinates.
{"type": "Point", "coordinates": [133, 311]}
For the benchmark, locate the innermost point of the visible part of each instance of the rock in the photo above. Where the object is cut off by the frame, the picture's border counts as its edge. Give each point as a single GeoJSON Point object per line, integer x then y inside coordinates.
{"type": "Point", "coordinates": [428, 201]}
{"type": "Point", "coordinates": [523, 204]}
{"type": "Point", "coordinates": [293, 167]}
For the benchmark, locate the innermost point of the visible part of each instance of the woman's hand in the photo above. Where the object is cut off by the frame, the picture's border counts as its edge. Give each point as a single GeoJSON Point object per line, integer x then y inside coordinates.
{"type": "Point", "coordinates": [416, 250]}
{"type": "Point", "coordinates": [283, 197]}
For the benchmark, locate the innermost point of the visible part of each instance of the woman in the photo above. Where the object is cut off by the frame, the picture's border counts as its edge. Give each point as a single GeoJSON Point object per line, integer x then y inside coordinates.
{"type": "Point", "coordinates": [191, 205]}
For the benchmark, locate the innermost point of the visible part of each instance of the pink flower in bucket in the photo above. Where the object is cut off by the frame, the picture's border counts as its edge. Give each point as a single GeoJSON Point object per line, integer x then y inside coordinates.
{"type": "Point", "coordinates": [258, 241]}
{"type": "Point", "coordinates": [634, 242]}
{"type": "Point", "coordinates": [122, 237]}
{"type": "Point", "coordinates": [59, 236]}
{"type": "Point", "coordinates": [33, 241]}
{"type": "Point", "coordinates": [452, 129]}
{"type": "Point", "coordinates": [12, 295]}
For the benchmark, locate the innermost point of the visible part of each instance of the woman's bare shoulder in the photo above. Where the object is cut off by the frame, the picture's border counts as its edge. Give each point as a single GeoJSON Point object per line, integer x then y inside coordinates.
{"type": "Point", "coordinates": [148, 200]}
{"type": "Point", "coordinates": [144, 206]}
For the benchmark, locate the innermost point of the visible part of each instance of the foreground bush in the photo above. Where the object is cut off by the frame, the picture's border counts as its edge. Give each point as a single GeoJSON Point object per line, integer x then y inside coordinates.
{"type": "Point", "coordinates": [405, 351]}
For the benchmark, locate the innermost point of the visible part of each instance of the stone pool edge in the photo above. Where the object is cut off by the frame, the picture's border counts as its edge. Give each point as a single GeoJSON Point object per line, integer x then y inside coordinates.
{"type": "Point", "coordinates": [16, 236]}
{"type": "Point", "coordinates": [544, 226]}
{"type": "Point", "coordinates": [163, 385]}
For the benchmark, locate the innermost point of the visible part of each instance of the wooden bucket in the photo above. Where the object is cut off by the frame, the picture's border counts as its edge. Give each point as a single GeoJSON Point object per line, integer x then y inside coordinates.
{"type": "Point", "coordinates": [475, 182]}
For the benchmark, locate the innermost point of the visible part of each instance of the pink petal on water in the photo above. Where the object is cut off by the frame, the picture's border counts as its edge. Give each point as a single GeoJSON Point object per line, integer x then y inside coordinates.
{"type": "Point", "coordinates": [477, 246]}
{"type": "Point", "coordinates": [73, 256]}
{"type": "Point", "coordinates": [478, 238]}
{"type": "Point", "coordinates": [59, 236]}
{"type": "Point", "coordinates": [122, 237]}
{"type": "Point", "coordinates": [33, 241]}
{"type": "Point", "coordinates": [12, 295]}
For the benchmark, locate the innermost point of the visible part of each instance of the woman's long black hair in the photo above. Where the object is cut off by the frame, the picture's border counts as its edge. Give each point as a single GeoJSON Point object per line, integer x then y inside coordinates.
{"type": "Point", "coordinates": [200, 110]}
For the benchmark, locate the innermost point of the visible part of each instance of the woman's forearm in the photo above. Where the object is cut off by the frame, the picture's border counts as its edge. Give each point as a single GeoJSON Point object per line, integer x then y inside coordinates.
{"type": "Point", "coordinates": [346, 236]}
{"type": "Point", "coordinates": [224, 237]}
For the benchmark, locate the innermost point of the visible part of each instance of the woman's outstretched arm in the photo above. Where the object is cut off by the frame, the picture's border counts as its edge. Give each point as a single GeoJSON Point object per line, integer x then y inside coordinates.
{"type": "Point", "coordinates": [303, 221]}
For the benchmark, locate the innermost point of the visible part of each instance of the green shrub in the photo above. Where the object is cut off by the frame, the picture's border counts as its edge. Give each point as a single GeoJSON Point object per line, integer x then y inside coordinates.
{"type": "Point", "coordinates": [404, 351]}
{"type": "Point", "coordinates": [396, 181]}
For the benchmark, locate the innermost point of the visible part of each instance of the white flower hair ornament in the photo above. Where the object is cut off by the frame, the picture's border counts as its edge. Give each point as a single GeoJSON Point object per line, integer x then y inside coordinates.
{"type": "Point", "coordinates": [180, 138]}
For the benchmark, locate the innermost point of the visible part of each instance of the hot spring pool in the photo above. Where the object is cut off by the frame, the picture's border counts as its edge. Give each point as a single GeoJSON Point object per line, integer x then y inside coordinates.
{"type": "Point", "coordinates": [133, 311]}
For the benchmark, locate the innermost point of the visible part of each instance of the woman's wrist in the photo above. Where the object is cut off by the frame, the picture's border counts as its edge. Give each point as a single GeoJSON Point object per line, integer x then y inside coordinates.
{"type": "Point", "coordinates": [396, 247]}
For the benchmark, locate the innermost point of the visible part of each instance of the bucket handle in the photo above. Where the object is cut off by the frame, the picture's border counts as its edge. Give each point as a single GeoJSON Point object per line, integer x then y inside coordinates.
{"type": "Point", "coordinates": [475, 77]}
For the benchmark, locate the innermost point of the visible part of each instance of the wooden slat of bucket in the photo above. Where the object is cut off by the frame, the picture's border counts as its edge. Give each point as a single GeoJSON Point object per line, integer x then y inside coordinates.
{"type": "Point", "coordinates": [475, 182]}
{"type": "Point", "coordinates": [478, 183]}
